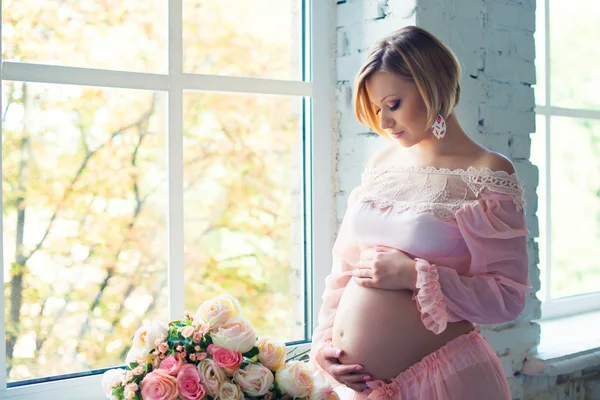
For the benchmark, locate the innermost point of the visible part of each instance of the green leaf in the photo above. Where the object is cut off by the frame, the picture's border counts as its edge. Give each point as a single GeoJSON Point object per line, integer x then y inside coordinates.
{"type": "Point", "coordinates": [299, 357]}
{"type": "Point", "coordinates": [118, 391]}
{"type": "Point", "coordinates": [253, 352]}
{"type": "Point", "coordinates": [133, 365]}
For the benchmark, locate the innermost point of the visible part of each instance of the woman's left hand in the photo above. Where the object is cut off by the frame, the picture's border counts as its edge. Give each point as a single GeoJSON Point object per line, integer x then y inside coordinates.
{"type": "Point", "coordinates": [384, 267]}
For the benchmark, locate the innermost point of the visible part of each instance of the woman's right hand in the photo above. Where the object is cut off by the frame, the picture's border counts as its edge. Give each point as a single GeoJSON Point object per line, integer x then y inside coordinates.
{"type": "Point", "coordinates": [348, 375]}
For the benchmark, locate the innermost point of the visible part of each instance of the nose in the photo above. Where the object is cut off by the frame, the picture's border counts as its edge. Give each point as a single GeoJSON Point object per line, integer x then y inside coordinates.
{"type": "Point", "coordinates": [386, 122]}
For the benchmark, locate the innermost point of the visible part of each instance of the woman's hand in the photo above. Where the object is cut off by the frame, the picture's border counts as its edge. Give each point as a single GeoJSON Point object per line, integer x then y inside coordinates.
{"type": "Point", "coordinates": [348, 375]}
{"type": "Point", "coordinates": [384, 267]}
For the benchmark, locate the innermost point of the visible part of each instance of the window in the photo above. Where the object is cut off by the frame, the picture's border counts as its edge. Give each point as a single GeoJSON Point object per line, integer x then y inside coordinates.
{"type": "Point", "coordinates": [156, 154]}
{"type": "Point", "coordinates": [566, 148]}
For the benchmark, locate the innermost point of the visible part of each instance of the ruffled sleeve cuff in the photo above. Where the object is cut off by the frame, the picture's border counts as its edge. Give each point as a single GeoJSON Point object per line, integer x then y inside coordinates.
{"type": "Point", "coordinates": [429, 298]}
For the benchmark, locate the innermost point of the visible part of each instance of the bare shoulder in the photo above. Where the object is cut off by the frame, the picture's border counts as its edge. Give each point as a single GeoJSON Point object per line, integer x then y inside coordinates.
{"type": "Point", "coordinates": [381, 156]}
{"type": "Point", "coordinates": [496, 162]}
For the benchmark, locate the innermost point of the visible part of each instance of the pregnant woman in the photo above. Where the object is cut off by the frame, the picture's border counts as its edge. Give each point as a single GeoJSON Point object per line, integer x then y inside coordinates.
{"type": "Point", "coordinates": [432, 244]}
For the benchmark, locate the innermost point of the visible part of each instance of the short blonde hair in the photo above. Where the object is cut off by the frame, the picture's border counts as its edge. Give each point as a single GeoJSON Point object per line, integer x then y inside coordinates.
{"type": "Point", "coordinates": [415, 54]}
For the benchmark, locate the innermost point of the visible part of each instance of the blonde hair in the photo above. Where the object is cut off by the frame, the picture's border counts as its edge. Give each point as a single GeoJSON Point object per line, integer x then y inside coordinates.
{"type": "Point", "coordinates": [415, 54]}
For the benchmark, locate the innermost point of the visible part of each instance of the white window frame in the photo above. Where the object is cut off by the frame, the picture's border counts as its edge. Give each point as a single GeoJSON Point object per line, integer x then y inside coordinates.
{"type": "Point", "coordinates": [318, 169]}
{"type": "Point", "coordinates": [557, 308]}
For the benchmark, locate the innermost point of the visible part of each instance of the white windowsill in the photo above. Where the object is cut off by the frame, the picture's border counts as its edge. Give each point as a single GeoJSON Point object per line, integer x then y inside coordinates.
{"type": "Point", "coordinates": [566, 345]}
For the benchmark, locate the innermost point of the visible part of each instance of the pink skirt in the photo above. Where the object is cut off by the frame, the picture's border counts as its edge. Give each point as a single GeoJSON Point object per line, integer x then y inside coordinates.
{"type": "Point", "coordinates": [466, 368]}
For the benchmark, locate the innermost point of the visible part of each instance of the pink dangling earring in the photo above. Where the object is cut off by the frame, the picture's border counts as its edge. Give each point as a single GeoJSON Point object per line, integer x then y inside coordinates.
{"type": "Point", "coordinates": [439, 127]}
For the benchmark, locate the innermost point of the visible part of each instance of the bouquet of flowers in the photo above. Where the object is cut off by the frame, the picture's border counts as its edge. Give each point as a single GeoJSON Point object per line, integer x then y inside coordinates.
{"type": "Point", "coordinates": [212, 355]}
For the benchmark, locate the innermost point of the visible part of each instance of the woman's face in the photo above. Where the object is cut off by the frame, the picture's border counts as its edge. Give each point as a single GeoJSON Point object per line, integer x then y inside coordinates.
{"type": "Point", "coordinates": [401, 109]}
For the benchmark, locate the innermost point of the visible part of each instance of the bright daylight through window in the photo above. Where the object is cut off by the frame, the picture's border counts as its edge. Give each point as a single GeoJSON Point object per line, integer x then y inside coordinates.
{"type": "Point", "coordinates": [155, 155]}
{"type": "Point", "coordinates": [566, 149]}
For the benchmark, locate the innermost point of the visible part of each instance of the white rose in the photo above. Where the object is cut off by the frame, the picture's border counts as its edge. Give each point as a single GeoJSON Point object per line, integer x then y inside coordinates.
{"type": "Point", "coordinates": [147, 335]}
{"type": "Point", "coordinates": [217, 311]}
{"type": "Point", "coordinates": [211, 376]}
{"type": "Point", "coordinates": [230, 391]}
{"type": "Point", "coordinates": [321, 389]}
{"type": "Point", "coordinates": [139, 355]}
{"type": "Point", "coordinates": [109, 378]}
{"type": "Point", "coordinates": [271, 353]}
{"type": "Point", "coordinates": [255, 380]}
{"type": "Point", "coordinates": [294, 378]}
{"type": "Point", "coordinates": [237, 334]}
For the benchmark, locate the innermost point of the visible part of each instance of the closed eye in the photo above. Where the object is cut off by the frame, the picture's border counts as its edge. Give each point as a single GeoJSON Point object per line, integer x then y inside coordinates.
{"type": "Point", "coordinates": [393, 108]}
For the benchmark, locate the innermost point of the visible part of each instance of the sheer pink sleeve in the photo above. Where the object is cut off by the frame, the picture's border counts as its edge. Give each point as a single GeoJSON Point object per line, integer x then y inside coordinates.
{"type": "Point", "coordinates": [494, 289]}
{"type": "Point", "coordinates": [344, 255]}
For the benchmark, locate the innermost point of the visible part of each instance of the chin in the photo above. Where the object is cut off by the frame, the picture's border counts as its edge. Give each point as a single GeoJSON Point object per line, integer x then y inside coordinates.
{"type": "Point", "coordinates": [403, 142]}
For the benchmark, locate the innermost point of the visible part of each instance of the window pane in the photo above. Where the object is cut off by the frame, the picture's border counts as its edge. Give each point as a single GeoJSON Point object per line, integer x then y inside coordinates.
{"type": "Point", "coordinates": [122, 35]}
{"type": "Point", "coordinates": [540, 54]}
{"type": "Point", "coordinates": [574, 53]}
{"type": "Point", "coordinates": [85, 236]}
{"type": "Point", "coordinates": [261, 38]}
{"type": "Point", "coordinates": [538, 158]}
{"type": "Point", "coordinates": [575, 155]}
{"type": "Point", "coordinates": [244, 219]}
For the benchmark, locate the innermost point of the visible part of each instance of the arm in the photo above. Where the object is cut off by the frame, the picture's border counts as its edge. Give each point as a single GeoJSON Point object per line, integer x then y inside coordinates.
{"type": "Point", "coordinates": [494, 289]}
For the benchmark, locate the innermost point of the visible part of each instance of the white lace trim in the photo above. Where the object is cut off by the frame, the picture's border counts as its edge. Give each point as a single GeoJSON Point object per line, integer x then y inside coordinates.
{"type": "Point", "coordinates": [442, 199]}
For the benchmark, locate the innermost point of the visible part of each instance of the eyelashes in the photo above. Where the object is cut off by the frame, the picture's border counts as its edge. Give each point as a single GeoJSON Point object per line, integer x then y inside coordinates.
{"type": "Point", "coordinates": [393, 108]}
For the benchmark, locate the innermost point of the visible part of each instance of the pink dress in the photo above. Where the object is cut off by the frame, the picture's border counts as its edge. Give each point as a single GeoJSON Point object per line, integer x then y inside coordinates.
{"type": "Point", "coordinates": [467, 231]}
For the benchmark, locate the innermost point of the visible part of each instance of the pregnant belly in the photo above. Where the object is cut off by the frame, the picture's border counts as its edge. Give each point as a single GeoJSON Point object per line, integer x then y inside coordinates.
{"type": "Point", "coordinates": [382, 331]}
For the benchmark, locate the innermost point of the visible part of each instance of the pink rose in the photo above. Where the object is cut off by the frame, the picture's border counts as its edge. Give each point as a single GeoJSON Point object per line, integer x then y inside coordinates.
{"type": "Point", "coordinates": [197, 337]}
{"type": "Point", "coordinates": [159, 385]}
{"type": "Point", "coordinates": [187, 331]}
{"type": "Point", "coordinates": [204, 328]}
{"type": "Point", "coordinates": [171, 365]}
{"type": "Point", "coordinates": [188, 382]}
{"type": "Point", "coordinates": [229, 360]}
{"type": "Point", "coordinates": [163, 347]}
{"type": "Point", "coordinates": [130, 390]}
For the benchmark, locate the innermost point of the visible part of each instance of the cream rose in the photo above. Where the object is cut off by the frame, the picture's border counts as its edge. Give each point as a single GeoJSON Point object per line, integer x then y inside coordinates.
{"type": "Point", "coordinates": [211, 376]}
{"type": "Point", "coordinates": [321, 389]}
{"type": "Point", "coordinates": [218, 310]}
{"type": "Point", "coordinates": [255, 380]}
{"type": "Point", "coordinates": [230, 391]}
{"type": "Point", "coordinates": [271, 353]}
{"type": "Point", "coordinates": [237, 334]}
{"type": "Point", "coordinates": [294, 378]}
{"type": "Point", "coordinates": [148, 334]}
{"type": "Point", "coordinates": [109, 378]}
{"type": "Point", "coordinates": [139, 355]}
